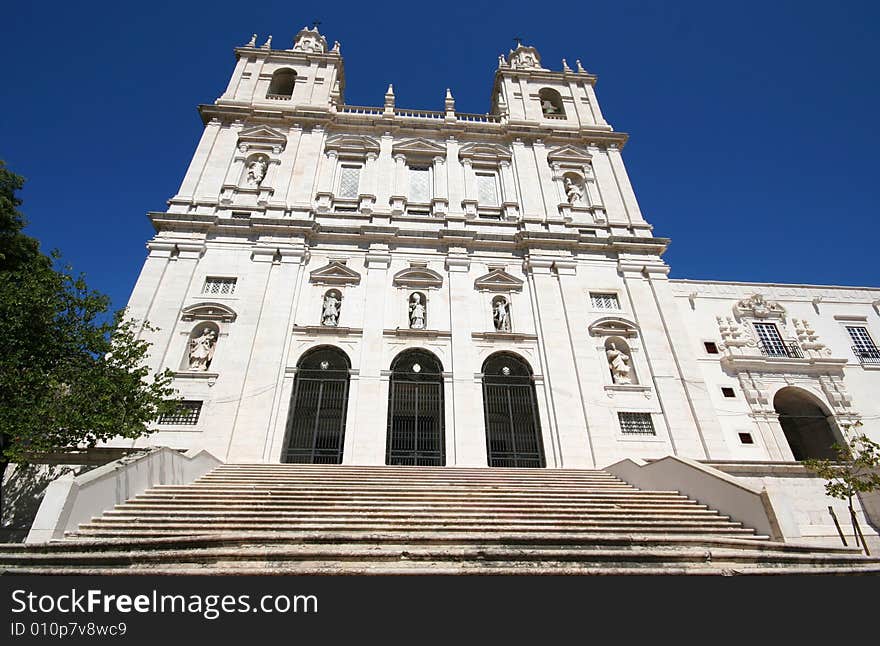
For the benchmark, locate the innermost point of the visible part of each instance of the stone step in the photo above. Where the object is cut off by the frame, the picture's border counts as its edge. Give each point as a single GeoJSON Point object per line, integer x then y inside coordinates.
{"type": "Point", "coordinates": [466, 506]}
{"type": "Point", "coordinates": [347, 512]}
{"type": "Point", "coordinates": [331, 491]}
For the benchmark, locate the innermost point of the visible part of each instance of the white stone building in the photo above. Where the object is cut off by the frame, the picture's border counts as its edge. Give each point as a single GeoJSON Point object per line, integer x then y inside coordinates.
{"type": "Point", "coordinates": [377, 285]}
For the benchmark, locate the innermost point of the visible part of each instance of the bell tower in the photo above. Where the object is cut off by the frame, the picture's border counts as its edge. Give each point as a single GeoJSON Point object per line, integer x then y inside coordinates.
{"type": "Point", "coordinates": [310, 75]}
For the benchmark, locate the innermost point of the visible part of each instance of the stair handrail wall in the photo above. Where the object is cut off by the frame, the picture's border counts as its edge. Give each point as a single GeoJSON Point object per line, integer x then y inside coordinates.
{"type": "Point", "coordinates": [708, 486]}
{"type": "Point", "coordinates": [70, 501]}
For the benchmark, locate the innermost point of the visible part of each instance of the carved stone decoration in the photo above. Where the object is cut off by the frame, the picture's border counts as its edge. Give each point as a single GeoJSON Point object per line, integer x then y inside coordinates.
{"type": "Point", "coordinates": [758, 307]}
{"type": "Point", "coordinates": [256, 171]}
{"type": "Point", "coordinates": [208, 312]}
{"type": "Point", "coordinates": [618, 363]}
{"type": "Point", "coordinates": [524, 58]}
{"type": "Point", "coordinates": [417, 313]}
{"type": "Point", "coordinates": [613, 326]}
{"type": "Point", "coordinates": [501, 314]}
{"type": "Point", "coordinates": [736, 338]}
{"type": "Point", "coordinates": [330, 309]}
{"type": "Point", "coordinates": [201, 350]}
{"type": "Point", "coordinates": [755, 393]}
{"type": "Point", "coordinates": [808, 339]}
{"type": "Point", "coordinates": [310, 40]}
{"type": "Point", "coordinates": [836, 392]}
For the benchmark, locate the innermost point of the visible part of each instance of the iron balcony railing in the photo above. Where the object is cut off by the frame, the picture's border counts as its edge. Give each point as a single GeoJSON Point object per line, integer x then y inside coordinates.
{"type": "Point", "coordinates": [783, 349]}
{"type": "Point", "coordinates": [867, 355]}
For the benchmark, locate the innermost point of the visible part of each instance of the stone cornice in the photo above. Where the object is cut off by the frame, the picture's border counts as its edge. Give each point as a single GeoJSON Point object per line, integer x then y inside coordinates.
{"type": "Point", "coordinates": [408, 122]}
{"type": "Point", "coordinates": [289, 55]}
{"type": "Point", "coordinates": [730, 290]}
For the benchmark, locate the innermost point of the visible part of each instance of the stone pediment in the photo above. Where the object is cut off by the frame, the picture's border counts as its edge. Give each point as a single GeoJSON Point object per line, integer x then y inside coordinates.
{"type": "Point", "coordinates": [262, 137]}
{"type": "Point", "coordinates": [568, 155]}
{"type": "Point", "coordinates": [498, 280]}
{"type": "Point", "coordinates": [334, 273]}
{"type": "Point", "coordinates": [352, 144]}
{"type": "Point", "coordinates": [613, 326]}
{"type": "Point", "coordinates": [207, 311]}
{"type": "Point", "coordinates": [484, 152]}
{"type": "Point", "coordinates": [417, 277]}
{"type": "Point", "coordinates": [419, 146]}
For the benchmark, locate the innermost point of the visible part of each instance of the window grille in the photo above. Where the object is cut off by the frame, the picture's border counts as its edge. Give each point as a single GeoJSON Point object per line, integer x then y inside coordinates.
{"type": "Point", "coordinates": [604, 301]}
{"type": "Point", "coordinates": [487, 189]}
{"type": "Point", "coordinates": [187, 414]}
{"type": "Point", "coordinates": [636, 424]}
{"type": "Point", "coordinates": [349, 181]}
{"type": "Point", "coordinates": [771, 340]}
{"type": "Point", "coordinates": [219, 286]}
{"type": "Point", "coordinates": [863, 345]}
{"type": "Point", "coordinates": [419, 184]}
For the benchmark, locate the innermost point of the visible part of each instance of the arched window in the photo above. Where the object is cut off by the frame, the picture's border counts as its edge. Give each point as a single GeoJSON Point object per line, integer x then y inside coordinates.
{"type": "Point", "coordinates": [318, 405]}
{"type": "Point", "coordinates": [805, 424]}
{"type": "Point", "coordinates": [510, 408]}
{"type": "Point", "coordinates": [620, 362]}
{"type": "Point", "coordinates": [281, 86]}
{"type": "Point", "coordinates": [551, 103]}
{"type": "Point", "coordinates": [416, 434]}
{"type": "Point", "coordinates": [200, 347]}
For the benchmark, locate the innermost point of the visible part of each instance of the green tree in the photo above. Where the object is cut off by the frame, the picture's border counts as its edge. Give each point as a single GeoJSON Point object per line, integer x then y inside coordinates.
{"type": "Point", "coordinates": [856, 470]}
{"type": "Point", "coordinates": [71, 374]}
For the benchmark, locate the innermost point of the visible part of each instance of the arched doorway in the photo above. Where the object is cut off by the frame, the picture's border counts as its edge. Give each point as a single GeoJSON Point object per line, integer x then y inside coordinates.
{"type": "Point", "coordinates": [510, 407]}
{"type": "Point", "coordinates": [415, 410]}
{"type": "Point", "coordinates": [805, 424]}
{"type": "Point", "coordinates": [316, 424]}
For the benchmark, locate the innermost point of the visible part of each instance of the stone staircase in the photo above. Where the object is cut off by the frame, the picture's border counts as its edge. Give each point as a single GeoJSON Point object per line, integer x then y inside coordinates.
{"type": "Point", "coordinates": [310, 519]}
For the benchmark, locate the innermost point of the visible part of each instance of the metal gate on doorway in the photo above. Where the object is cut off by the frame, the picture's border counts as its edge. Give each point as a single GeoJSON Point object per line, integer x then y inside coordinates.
{"type": "Point", "coordinates": [416, 432]}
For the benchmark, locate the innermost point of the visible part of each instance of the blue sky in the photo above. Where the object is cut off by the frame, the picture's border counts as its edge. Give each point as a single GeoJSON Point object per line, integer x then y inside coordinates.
{"type": "Point", "coordinates": [753, 125]}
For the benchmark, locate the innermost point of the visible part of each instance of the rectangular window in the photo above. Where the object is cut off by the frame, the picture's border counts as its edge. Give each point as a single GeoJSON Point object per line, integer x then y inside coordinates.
{"type": "Point", "coordinates": [349, 182]}
{"type": "Point", "coordinates": [863, 344]}
{"type": "Point", "coordinates": [487, 189]}
{"type": "Point", "coordinates": [728, 392]}
{"type": "Point", "coordinates": [771, 341]}
{"type": "Point", "coordinates": [419, 184]}
{"type": "Point", "coordinates": [187, 414]}
{"type": "Point", "coordinates": [711, 347]}
{"type": "Point", "coordinates": [603, 301]}
{"type": "Point", "coordinates": [636, 424]}
{"type": "Point", "coordinates": [217, 286]}
{"type": "Point", "coordinates": [746, 438]}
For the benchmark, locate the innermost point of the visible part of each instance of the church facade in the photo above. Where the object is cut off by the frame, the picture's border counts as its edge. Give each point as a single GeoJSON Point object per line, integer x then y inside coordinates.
{"type": "Point", "coordinates": [378, 285]}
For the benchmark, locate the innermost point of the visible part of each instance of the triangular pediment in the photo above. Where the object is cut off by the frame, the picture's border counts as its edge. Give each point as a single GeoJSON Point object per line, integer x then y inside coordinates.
{"type": "Point", "coordinates": [262, 135]}
{"type": "Point", "coordinates": [419, 147]}
{"type": "Point", "coordinates": [569, 154]}
{"type": "Point", "coordinates": [335, 273]}
{"type": "Point", "coordinates": [417, 276]}
{"type": "Point", "coordinates": [498, 280]}
{"type": "Point", "coordinates": [353, 144]}
{"type": "Point", "coordinates": [207, 311]}
{"type": "Point", "coordinates": [484, 151]}
{"type": "Point", "coordinates": [613, 326]}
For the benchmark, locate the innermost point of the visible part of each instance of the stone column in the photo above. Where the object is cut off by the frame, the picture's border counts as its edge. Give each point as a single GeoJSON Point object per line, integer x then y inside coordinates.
{"type": "Point", "coordinates": [171, 295]}
{"type": "Point", "coordinates": [366, 429]}
{"type": "Point", "coordinates": [200, 158]}
{"type": "Point", "coordinates": [369, 184]}
{"type": "Point", "coordinates": [440, 201]}
{"type": "Point", "coordinates": [510, 200]}
{"type": "Point", "coordinates": [469, 203]}
{"type": "Point", "coordinates": [681, 390]}
{"type": "Point", "coordinates": [465, 437]}
{"type": "Point", "coordinates": [398, 195]}
{"type": "Point", "coordinates": [566, 441]}
{"type": "Point", "coordinates": [252, 428]}
{"type": "Point", "coordinates": [326, 180]}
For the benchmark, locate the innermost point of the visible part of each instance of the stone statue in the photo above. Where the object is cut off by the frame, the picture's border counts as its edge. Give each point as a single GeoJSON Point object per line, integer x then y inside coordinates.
{"type": "Point", "coordinates": [201, 350]}
{"type": "Point", "coordinates": [256, 171]}
{"type": "Point", "coordinates": [501, 315]}
{"type": "Point", "coordinates": [416, 312]}
{"type": "Point", "coordinates": [548, 107]}
{"type": "Point", "coordinates": [330, 313]}
{"type": "Point", "coordinates": [573, 192]}
{"type": "Point", "coordinates": [619, 364]}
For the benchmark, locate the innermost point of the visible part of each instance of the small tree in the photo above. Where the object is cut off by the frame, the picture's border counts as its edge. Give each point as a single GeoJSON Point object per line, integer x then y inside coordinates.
{"type": "Point", "coordinates": [856, 470]}
{"type": "Point", "coordinates": [71, 374]}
